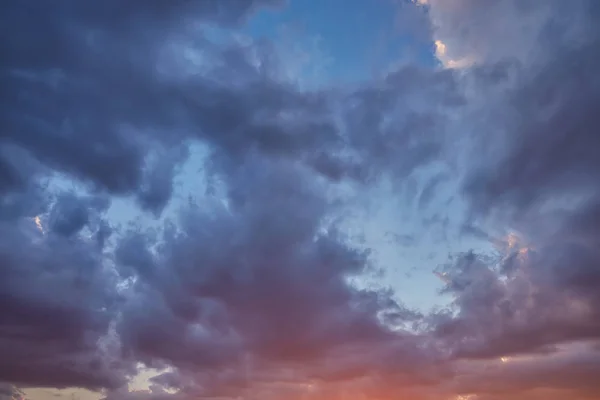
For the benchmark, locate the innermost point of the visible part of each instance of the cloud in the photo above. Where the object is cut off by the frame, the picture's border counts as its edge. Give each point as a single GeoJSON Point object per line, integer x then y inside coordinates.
{"type": "Point", "coordinates": [570, 371]}
{"type": "Point", "coordinates": [247, 284]}
{"type": "Point", "coordinates": [471, 31]}
{"type": "Point", "coordinates": [96, 97]}
{"type": "Point", "coordinates": [96, 117]}
{"type": "Point", "coordinates": [248, 291]}
{"type": "Point", "coordinates": [9, 392]}
{"type": "Point", "coordinates": [57, 302]}
{"type": "Point", "coordinates": [537, 177]}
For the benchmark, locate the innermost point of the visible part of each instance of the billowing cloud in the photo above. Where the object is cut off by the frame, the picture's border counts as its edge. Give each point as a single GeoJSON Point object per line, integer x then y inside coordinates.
{"type": "Point", "coordinates": [536, 177]}
{"type": "Point", "coordinates": [252, 289]}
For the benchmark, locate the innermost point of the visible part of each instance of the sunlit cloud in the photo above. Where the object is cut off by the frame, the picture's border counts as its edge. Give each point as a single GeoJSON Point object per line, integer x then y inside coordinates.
{"type": "Point", "coordinates": [442, 54]}
{"type": "Point", "coordinates": [38, 223]}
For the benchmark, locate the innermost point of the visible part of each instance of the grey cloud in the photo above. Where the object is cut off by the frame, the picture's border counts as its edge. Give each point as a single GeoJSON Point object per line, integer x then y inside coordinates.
{"type": "Point", "coordinates": [70, 213]}
{"type": "Point", "coordinates": [537, 177]}
{"type": "Point", "coordinates": [96, 118]}
{"type": "Point", "coordinates": [78, 111]}
{"type": "Point", "coordinates": [156, 187]}
{"type": "Point", "coordinates": [247, 292]}
{"type": "Point", "coordinates": [93, 93]}
{"type": "Point", "coordinates": [261, 280]}
{"type": "Point", "coordinates": [491, 31]}
{"type": "Point", "coordinates": [569, 372]}
{"type": "Point", "coordinates": [57, 301]}
{"type": "Point", "coordinates": [9, 392]}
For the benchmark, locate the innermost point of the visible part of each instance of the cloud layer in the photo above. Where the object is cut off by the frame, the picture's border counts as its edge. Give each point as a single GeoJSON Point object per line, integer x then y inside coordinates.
{"type": "Point", "coordinates": [248, 290]}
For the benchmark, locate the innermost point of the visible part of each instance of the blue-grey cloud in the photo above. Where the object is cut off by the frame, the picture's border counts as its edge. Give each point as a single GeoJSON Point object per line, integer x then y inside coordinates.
{"type": "Point", "coordinates": [247, 291]}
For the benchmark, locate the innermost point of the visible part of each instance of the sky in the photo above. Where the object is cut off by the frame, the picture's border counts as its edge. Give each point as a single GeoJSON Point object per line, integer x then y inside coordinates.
{"type": "Point", "coordinates": [300, 200]}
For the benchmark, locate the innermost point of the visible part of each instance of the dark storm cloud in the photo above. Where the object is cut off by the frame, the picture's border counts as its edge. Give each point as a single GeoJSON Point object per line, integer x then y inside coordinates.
{"type": "Point", "coordinates": [79, 92]}
{"type": "Point", "coordinates": [260, 280]}
{"type": "Point", "coordinates": [56, 297]}
{"type": "Point", "coordinates": [71, 213]}
{"type": "Point", "coordinates": [157, 183]}
{"type": "Point", "coordinates": [247, 292]}
{"type": "Point", "coordinates": [554, 147]}
{"type": "Point", "coordinates": [57, 302]}
{"type": "Point", "coordinates": [91, 89]}
{"type": "Point", "coordinates": [87, 90]}
{"type": "Point", "coordinates": [520, 314]}
{"type": "Point", "coordinates": [546, 174]}
{"type": "Point", "coordinates": [538, 177]}
{"type": "Point", "coordinates": [399, 124]}
{"type": "Point", "coordinates": [389, 127]}
{"type": "Point", "coordinates": [95, 92]}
